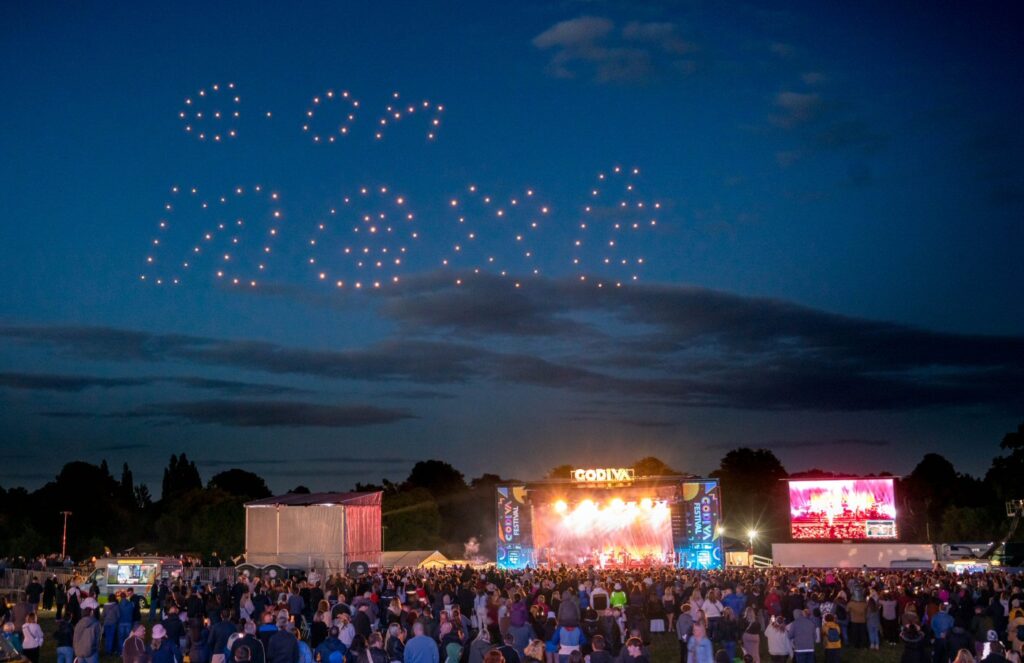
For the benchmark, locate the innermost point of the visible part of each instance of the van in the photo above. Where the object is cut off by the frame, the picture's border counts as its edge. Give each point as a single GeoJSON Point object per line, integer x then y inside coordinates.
{"type": "Point", "coordinates": [116, 574]}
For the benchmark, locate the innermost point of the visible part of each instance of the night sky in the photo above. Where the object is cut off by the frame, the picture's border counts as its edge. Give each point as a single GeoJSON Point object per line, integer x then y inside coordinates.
{"type": "Point", "coordinates": [799, 226]}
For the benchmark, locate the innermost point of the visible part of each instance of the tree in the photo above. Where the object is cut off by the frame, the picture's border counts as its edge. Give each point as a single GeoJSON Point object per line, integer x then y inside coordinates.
{"type": "Point", "coordinates": [411, 521]}
{"type": "Point", "coordinates": [1004, 476]}
{"type": "Point", "coordinates": [240, 483]}
{"type": "Point", "coordinates": [754, 494]}
{"type": "Point", "coordinates": [964, 523]}
{"type": "Point", "coordinates": [650, 466]}
{"type": "Point", "coordinates": [180, 477]}
{"type": "Point", "coordinates": [561, 472]}
{"type": "Point", "coordinates": [299, 490]}
{"type": "Point", "coordinates": [127, 487]}
{"type": "Point", "coordinates": [437, 476]}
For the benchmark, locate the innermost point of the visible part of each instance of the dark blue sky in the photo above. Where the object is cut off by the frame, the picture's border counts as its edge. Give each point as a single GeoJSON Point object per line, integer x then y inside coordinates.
{"type": "Point", "coordinates": [835, 271]}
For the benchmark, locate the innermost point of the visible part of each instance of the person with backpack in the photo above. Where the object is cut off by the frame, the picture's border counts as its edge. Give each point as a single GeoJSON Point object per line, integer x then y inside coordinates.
{"type": "Point", "coordinates": [832, 636]}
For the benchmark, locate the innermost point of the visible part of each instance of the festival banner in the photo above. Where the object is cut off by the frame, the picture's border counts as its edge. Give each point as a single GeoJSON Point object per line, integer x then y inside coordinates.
{"type": "Point", "coordinates": [515, 536]}
{"type": "Point", "coordinates": [698, 542]}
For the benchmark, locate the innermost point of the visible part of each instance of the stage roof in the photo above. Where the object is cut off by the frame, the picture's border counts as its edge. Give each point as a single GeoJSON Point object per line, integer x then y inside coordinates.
{"type": "Point", "coordinates": [321, 499]}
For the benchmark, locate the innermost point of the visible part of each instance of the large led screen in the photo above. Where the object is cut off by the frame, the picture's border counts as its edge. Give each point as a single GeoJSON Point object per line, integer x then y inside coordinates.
{"type": "Point", "coordinates": [837, 509]}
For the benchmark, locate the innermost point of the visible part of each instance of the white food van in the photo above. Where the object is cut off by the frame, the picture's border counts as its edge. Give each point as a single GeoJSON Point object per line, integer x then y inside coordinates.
{"type": "Point", "coordinates": [115, 574]}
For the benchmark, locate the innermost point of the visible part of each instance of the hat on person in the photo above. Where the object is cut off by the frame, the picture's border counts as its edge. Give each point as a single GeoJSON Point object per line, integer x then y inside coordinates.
{"type": "Point", "coordinates": [159, 632]}
{"type": "Point", "coordinates": [90, 603]}
{"type": "Point", "coordinates": [992, 636]}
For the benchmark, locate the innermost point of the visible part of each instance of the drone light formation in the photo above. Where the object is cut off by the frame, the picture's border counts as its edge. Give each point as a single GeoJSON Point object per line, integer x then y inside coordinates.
{"type": "Point", "coordinates": [330, 116]}
{"type": "Point", "coordinates": [606, 247]}
{"type": "Point", "coordinates": [496, 234]}
{"type": "Point", "coordinates": [212, 113]}
{"type": "Point", "coordinates": [363, 240]}
{"type": "Point", "coordinates": [227, 238]}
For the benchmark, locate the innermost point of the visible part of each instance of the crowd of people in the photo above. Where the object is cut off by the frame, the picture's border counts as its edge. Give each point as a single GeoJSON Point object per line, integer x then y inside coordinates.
{"type": "Point", "coordinates": [563, 615]}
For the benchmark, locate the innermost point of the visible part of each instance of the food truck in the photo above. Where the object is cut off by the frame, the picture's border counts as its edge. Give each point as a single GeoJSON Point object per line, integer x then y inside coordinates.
{"type": "Point", "coordinates": [115, 574]}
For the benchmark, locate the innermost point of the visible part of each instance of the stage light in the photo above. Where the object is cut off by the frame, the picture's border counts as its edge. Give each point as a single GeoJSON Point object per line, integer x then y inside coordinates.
{"type": "Point", "coordinates": [646, 503]}
{"type": "Point", "coordinates": [561, 506]}
{"type": "Point", "coordinates": [720, 530]}
{"type": "Point", "coordinates": [587, 504]}
{"type": "Point", "coordinates": [617, 503]}
{"type": "Point", "coordinates": [751, 534]}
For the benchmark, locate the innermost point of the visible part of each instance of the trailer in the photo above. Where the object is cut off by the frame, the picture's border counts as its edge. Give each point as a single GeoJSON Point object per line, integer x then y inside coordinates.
{"type": "Point", "coordinates": [323, 531]}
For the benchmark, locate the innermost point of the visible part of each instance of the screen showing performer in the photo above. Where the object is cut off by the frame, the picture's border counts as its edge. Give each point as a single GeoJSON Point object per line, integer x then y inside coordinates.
{"type": "Point", "coordinates": [837, 509]}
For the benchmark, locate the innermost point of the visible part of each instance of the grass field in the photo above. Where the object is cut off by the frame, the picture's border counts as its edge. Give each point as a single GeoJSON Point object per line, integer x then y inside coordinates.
{"type": "Point", "coordinates": [664, 648]}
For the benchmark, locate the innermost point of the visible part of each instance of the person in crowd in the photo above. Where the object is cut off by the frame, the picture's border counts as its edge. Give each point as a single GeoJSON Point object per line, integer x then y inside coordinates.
{"type": "Point", "coordinates": [49, 592]}
{"type": "Point", "coordinates": [64, 638]}
{"type": "Point", "coordinates": [34, 593]}
{"type": "Point", "coordinates": [219, 635]}
{"type": "Point", "coordinates": [32, 638]}
{"type": "Point", "coordinates": [162, 648]}
{"type": "Point", "coordinates": [750, 636]}
{"type": "Point", "coordinates": [394, 645]}
{"type": "Point", "coordinates": [780, 647]}
{"type": "Point", "coordinates": [508, 649]}
{"type": "Point", "coordinates": [255, 651]}
{"type": "Point", "coordinates": [803, 635]}
{"type": "Point", "coordinates": [126, 607]}
{"type": "Point", "coordinates": [134, 648]}
{"type": "Point", "coordinates": [283, 646]}
{"type": "Point", "coordinates": [633, 652]}
{"type": "Point", "coordinates": [964, 656]}
{"type": "Point", "coordinates": [873, 623]}
{"type": "Point", "coordinates": [421, 648]}
{"type": "Point", "coordinates": [727, 633]}
{"type": "Point", "coordinates": [13, 636]}
{"type": "Point", "coordinates": [996, 654]}
{"type": "Point", "coordinates": [534, 652]}
{"type": "Point", "coordinates": [857, 611]}
{"type": "Point", "coordinates": [111, 617]}
{"type": "Point", "coordinates": [86, 638]}
{"type": "Point", "coordinates": [684, 630]}
{"type": "Point", "coordinates": [913, 644]}
{"type": "Point", "coordinates": [480, 645]}
{"type": "Point", "coordinates": [699, 647]}
{"type": "Point", "coordinates": [832, 637]}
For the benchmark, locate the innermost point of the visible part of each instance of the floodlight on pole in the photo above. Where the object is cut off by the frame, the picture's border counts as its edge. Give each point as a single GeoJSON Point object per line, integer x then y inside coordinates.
{"type": "Point", "coordinates": [64, 537]}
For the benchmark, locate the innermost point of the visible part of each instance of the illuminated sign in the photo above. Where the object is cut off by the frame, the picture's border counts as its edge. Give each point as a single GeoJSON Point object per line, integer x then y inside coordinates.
{"type": "Point", "coordinates": [604, 475]}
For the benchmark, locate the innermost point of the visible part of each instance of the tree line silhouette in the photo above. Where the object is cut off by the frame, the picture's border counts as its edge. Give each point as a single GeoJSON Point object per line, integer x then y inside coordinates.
{"type": "Point", "coordinates": [436, 507]}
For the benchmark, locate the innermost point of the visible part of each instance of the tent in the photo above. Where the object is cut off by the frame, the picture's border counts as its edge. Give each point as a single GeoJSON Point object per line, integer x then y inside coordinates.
{"type": "Point", "coordinates": [326, 531]}
{"type": "Point", "coordinates": [417, 559]}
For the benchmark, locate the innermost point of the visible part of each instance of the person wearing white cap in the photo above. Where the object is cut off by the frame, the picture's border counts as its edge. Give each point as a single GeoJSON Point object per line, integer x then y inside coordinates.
{"type": "Point", "coordinates": [163, 649]}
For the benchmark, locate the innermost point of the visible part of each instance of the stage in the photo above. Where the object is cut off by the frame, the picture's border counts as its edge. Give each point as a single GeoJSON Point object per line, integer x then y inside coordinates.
{"type": "Point", "coordinates": [610, 519]}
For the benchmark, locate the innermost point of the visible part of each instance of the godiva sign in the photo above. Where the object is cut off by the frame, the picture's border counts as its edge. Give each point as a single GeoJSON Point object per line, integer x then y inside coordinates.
{"type": "Point", "coordinates": [603, 474]}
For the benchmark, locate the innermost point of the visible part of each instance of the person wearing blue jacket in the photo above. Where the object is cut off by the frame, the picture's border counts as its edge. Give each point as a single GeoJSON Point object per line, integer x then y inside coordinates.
{"type": "Point", "coordinates": [698, 646]}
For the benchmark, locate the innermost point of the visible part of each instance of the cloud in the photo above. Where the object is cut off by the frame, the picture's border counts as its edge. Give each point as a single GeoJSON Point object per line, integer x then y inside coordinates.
{"type": "Point", "coordinates": [813, 77]}
{"type": "Point", "coordinates": [305, 460]}
{"type": "Point", "coordinates": [393, 360]}
{"type": "Point", "coordinates": [418, 394]}
{"type": "Point", "coordinates": [67, 383]}
{"type": "Point", "coordinates": [796, 108]}
{"type": "Point", "coordinates": [665, 345]}
{"type": "Point", "coordinates": [78, 383]}
{"type": "Point", "coordinates": [637, 52]}
{"type": "Point", "coordinates": [575, 32]}
{"type": "Point", "coordinates": [256, 414]}
{"type": "Point", "coordinates": [815, 444]}
{"type": "Point", "coordinates": [782, 49]}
